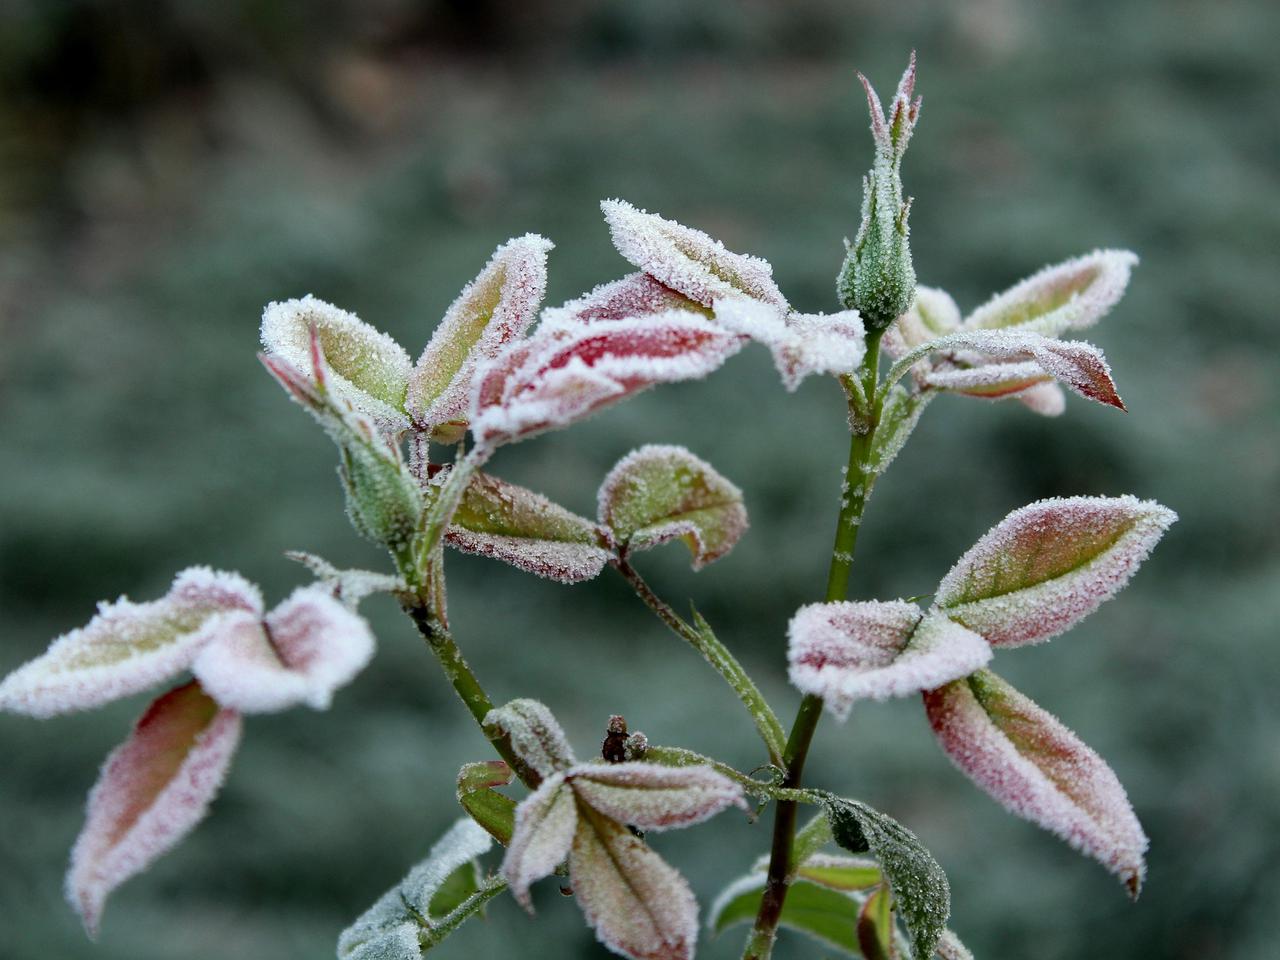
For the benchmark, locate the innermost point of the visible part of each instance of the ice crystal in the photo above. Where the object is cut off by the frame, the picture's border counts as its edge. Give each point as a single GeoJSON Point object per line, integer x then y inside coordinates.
{"type": "Point", "coordinates": [1039, 770]}
{"type": "Point", "coordinates": [152, 791]}
{"type": "Point", "coordinates": [802, 344]}
{"type": "Point", "coordinates": [368, 369]}
{"type": "Point", "coordinates": [845, 652]}
{"type": "Point", "coordinates": [659, 493]}
{"type": "Point", "coordinates": [494, 309]}
{"type": "Point", "coordinates": [1048, 565]}
{"type": "Point", "coordinates": [688, 260]}
{"type": "Point", "coordinates": [128, 647]}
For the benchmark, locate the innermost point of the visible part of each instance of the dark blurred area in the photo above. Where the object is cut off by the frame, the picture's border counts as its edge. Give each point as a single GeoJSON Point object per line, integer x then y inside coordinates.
{"type": "Point", "coordinates": [168, 167]}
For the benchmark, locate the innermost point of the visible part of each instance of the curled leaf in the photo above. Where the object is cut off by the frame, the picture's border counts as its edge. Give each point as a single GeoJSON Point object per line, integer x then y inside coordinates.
{"type": "Point", "coordinates": [152, 791]}
{"type": "Point", "coordinates": [687, 260]}
{"type": "Point", "coordinates": [128, 647]}
{"type": "Point", "coordinates": [535, 735]}
{"type": "Point", "coordinates": [546, 821]}
{"type": "Point", "coordinates": [493, 310]}
{"type": "Point", "coordinates": [652, 797]}
{"type": "Point", "coordinates": [845, 652]}
{"type": "Point", "coordinates": [660, 493]}
{"type": "Point", "coordinates": [1067, 296]}
{"type": "Point", "coordinates": [490, 809]}
{"type": "Point", "coordinates": [303, 650]}
{"type": "Point", "coordinates": [635, 295]}
{"type": "Point", "coordinates": [368, 369]}
{"type": "Point", "coordinates": [802, 343]}
{"type": "Point", "coordinates": [1045, 567]}
{"type": "Point", "coordinates": [565, 372]}
{"type": "Point", "coordinates": [513, 524]}
{"type": "Point", "coordinates": [1038, 770]}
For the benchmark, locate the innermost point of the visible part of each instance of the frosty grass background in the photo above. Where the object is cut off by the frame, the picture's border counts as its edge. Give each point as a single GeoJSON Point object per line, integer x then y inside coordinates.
{"type": "Point", "coordinates": [169, 168]}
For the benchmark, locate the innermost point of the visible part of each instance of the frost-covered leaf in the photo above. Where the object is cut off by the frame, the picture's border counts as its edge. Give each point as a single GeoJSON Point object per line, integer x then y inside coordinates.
{"type": "Point", "coordinates": [128, 646]}
{"type": "Point", "coordinates": [152, 791]}
{"type": "Point", "coordinates": [898, 417]}
{"type": "Point", "coordinates": [348, 586]}
{"type": "Point", "coordinates": [845, 652]}
{"type": "Point", "coordinates": [660, 493]}
{"type": "Point", "coordinates": [653, 797]}
{"type": "Point", "coordinates": [367, 368]}
{"type": "Point", "coordinates": [565, 372]}
{"type": "Point", "coordinates": [933, 314]}
{"type": "Point", "coordinates": [838, 872]}
{"type": "Point", "coordinates": [493, 310]}
{"type": "Point", "coordinates": [494, 812]}
{"type": "Point", "coordinates": [546, 821]}
{"type": "Point", "coordinates": [513, 524]}
{"type": "Point", "coordinates": [826, 915]}
{"type": "Point", "coordinates": [637, 903]}
{"type": "Point", "coordinates": [950, 948]}
{"type": "Point", "coordinates": [875, 926]}
{"type": "Point", "coordinates": [304, 649]}
{"type": "Point", "coordinates": [688, 260]}
{"type": "Point", "coordinates": [635, 295]}
{"type": "Point", "coordinates": [1038, 770]}
{"type": "Point", "coordinates": [1045, 567]}
{"type": "Point", "coordinates": [919, 886]}
{"type": "Point", "coordinates": [535, 734]}
{"type": "Point", "coordinates": [391, 928]}
{"type": "Point", "coordinates": [802, 343]}
{"type": "Point", "coordinates": [1046, 399]}
{"type": "Point", "coordinates": [1067, 296]}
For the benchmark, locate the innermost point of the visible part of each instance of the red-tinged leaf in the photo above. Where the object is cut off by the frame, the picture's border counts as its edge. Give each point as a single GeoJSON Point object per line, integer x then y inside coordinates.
{"type": "Point", "coordinates": [802, 343]}
{"type": "Point", "coordinates": [128, 647]}
{"type": "Point", "coordinates": [1067, 296]}
{"type": "Point", "coordinates": [546, 821]}
{"type": "Point", "coordinates": [845, 652]}
{"type": "Point", "coordinates": [933, 314]}
{"type": "Point", "coordinates": [367, 368]}
{"type": "Point", "coordinates": [152, 791]}
{"type": "Point", "coordinates": [1047, 566]}
{"type": "Point", "coordinates": [493, 310]}
{"type": "Point", "coordinates": [493, 811]}
{"type": "Point", "coordinates": [305, 649]}
{"type": "Point", "coordinates": [535, 734]}
{"type": "Point", "coordinates": [688, 260]}
{"type": "Point", "coordinates": [1038, 770]}
{"type": "Point", "coordinates": [638, 905]}
{"type": "Point", "coordinates": [566, 372]}
{"type": "Point", "coordinates": [635, 295]}
{"type": "Point", "coordinates": [651, 797]}
{"type": "Point", "coordinates": [517, 526]}
{"type": "Point", "coordinates": [875, 926]}
{"type": "Point", "coordinates": [660, 493]}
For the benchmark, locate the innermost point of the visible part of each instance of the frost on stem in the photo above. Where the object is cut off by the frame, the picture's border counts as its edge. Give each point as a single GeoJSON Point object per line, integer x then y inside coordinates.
{"type": "Point", "coordinates": [1038, 770]}
{"type": "Point", "coordinates": [152, 791]}
{"type": "Point", "coordinates": [802, 344]}
{"type": "Point", "coordinates": [494, 309]}
{"type": "Point", "coordinates": [1047, 566]}
{"type": "Point", "coordinates": [660, 493]}
{"type": "Point", "coordinates": [845, 652]}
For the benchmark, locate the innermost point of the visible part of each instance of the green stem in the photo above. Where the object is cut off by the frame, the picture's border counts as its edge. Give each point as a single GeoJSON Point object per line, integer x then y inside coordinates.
{"type": "Point", "coordinates": [853, 502]}
{"type": "Point", "coordinates": [701, 638]}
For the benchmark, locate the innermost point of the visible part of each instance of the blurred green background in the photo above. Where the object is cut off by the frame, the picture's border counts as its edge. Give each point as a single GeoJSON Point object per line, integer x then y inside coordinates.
{"type": "Point", "coordinates": [168, 167]}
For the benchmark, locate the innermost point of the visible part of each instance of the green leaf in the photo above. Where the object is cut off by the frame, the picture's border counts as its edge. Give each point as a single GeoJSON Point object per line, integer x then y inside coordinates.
{"type": "Point", "coordinates": [826, 915]}
{"type": "Point", "coordinates": [917, 881]}
{"type": "Point", "coordinates": [898, 417]}
{"type": "Point", "coordinates": [840, 873]}
{"type": "Point", "coordinates": [661, 493]}
{"type": "Point", "coordinates": [457, 887]}
{"type": "Point", "coordinates": [875, 926]}
{"type": "Point", "coordinates": [493, 811]}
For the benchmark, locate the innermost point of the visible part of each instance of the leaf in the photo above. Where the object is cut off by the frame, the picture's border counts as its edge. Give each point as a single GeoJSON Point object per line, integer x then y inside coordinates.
{"type": "Point", "coordinates": [1067, 296]}
{"type": "Point", "coordinates": [305, 649]}
{"type": "Point", "coordinates": [493, 310]}
{"type": "Point", "coordinates": [567, 371]}
{"type": "Point", "coordinates": [802, 343]}
{"type": "Point", "coordinates": [898, 418]}
{"type": "Point", "coordinates": [653, 797]}
{"type": "Point", "coordinates": [348, 586]}
{"type": "Point", "coordinates": [637, 903]}
{"type": "Point", "coordinates": [950, 948]}
{"type": "Point", "coordinates": [494, 812]}
{"type": "Point", "coordinates": [1046, 399]}
{"type": "Point", "coordinates": [660, 493]}
{"type": "Point", "coordinates": [513, 524]}
{"type": "Point", "coordinates": [824, 914]}
{"type": "Point", "coordinates": [1038, 770]}
{"type": "Point", "coordinates": [127, 647]}
{"type": "Point", "coordinates": [368, 369]}
{"type": "Point", "coordinates": [535, 734]}
{"type": "Point", "coordinates": [875, 926]}
{"type": "Point", "coordinates": [1047, 566]}
{"type": "Point", "coordinates": [688, 260]}
{"type": "Point", "coordinates": [152, 791]}
{"type": "Point", "coordinates": [918, 883]}
{"type": "Point", "coordinates": [933, 314]}
{"type": "Point", "coordinates": [635, 295]}
{"type": "Point", "coordinates": [545, 824]}
{"type": "Point", "coordinates": [392, 927]}
{"type": "Point", "coordinates": [845, 652]}
{"type": "Point", "coordinates": [839, 873]}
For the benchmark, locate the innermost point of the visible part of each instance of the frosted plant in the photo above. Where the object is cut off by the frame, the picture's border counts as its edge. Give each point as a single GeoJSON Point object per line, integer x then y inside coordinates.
{"type": "Point", "coordinates": [501, 369]}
